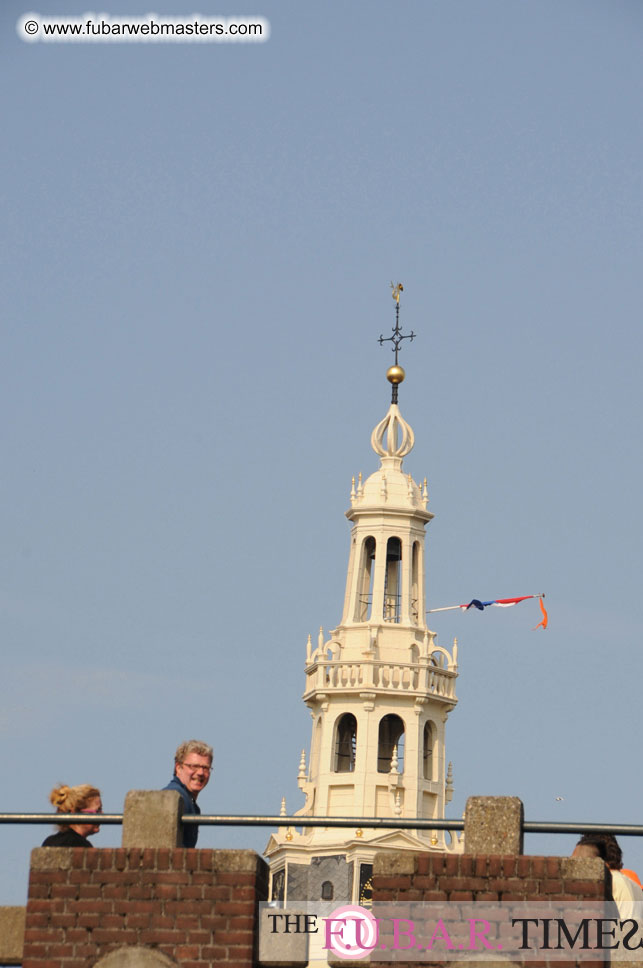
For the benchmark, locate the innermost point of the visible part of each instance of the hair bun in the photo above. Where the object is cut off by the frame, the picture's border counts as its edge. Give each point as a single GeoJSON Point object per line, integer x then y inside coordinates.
{"type": "Point", "coordinates": [59, 795]}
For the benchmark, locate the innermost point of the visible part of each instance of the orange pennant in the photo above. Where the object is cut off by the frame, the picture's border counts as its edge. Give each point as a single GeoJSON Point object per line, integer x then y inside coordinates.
{"type": "Point", "coordinates": [544, 620]}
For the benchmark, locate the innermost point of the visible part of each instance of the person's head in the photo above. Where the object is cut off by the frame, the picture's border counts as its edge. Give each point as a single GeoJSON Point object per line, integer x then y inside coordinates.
{"type": "Point", "coordinates": [78, 799]}
{"type": "Point", "coordinates": [600, 845]}
{"type": "Point", "coordinates": [193, 764]}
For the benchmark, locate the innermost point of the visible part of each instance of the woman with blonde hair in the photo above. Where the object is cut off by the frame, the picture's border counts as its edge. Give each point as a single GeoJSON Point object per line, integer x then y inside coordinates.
{"type": "Point", "coordinates": [76, 799]}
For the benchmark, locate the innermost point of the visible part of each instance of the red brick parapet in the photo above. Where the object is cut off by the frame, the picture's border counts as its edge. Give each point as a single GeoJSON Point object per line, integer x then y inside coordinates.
{"type": "Point", "coordinates": [406, 879]}
{"type": "Point", "coordinates": [487, 877]}
{"type": "Point", "coordinates": [197, 907]}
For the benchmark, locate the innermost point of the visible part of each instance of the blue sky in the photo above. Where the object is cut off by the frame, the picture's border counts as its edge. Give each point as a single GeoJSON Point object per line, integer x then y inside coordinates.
{"type": "Point", "coordinates": [197, 246]}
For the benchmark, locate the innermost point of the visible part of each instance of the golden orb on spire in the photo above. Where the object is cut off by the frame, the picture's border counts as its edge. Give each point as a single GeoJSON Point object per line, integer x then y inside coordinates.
{"type": "Point", "coordinates": [395, 374]}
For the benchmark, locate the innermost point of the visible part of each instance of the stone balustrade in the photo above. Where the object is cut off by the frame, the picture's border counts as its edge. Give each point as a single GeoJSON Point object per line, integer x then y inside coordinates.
{"type": "Point", "coordinates": [389, 677]}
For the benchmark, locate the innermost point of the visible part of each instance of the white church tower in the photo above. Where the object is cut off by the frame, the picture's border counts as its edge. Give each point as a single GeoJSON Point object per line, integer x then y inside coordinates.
{"type": "Point", "coordinates": [378, 688]}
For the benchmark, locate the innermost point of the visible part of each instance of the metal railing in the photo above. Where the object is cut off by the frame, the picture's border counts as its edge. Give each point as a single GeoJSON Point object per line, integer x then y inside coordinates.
{"type": "Point", "coordinates": [369, 823]}
{"type": "Point", "coordinates": [61, 818]}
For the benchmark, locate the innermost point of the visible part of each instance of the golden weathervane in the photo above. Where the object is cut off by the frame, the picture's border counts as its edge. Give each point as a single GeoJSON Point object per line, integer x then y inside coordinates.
{"type": "Point", "coordinates": [395, 374]}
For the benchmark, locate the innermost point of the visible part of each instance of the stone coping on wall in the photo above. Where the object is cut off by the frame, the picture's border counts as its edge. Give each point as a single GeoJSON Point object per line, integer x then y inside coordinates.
{"type": "Point", "coordinates": [12, 932]}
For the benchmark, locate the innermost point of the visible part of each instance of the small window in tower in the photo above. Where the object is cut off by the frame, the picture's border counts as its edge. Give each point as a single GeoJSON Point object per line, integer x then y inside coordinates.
{"type": "Point", "coordinates": [391, 740]}
{"type": "Point", "coordinates": [278, 885]}
{"type": "Point", "coordinates": [366, 885]}
{"type": "Point", "coordinates": [345, 744]}
{"type": "Point", "coordinates": [327, 891]}
{"type": "Point", "coordinates": [415, 583]}
{"type": "Point", "coordinates": [365, 586]}
{"type": "Point", "coordinates": [392, 580]}
{"type": "Point", "coordinates": [427, 753]}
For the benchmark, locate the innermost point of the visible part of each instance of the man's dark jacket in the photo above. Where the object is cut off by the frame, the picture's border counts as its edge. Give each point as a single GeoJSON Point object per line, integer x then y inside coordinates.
{"type": "Point", "coordinates": [190, 831]}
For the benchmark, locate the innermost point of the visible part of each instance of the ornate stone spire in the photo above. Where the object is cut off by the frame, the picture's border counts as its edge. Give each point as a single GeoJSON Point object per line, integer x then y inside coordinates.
{"type": "Point", "coordinates": [392, 437]}
{"type": "Point", "coordinates": [377, 686]}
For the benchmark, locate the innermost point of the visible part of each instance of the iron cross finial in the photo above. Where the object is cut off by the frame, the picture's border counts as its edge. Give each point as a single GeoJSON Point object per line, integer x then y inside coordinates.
{"type": "Point", "coordinates": [397, 337]}
{"type": "Point", "coordinates": [395, 374]}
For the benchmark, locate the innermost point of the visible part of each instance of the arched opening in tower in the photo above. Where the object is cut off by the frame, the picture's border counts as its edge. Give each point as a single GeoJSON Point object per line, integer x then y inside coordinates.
{"type": "Point", "coordinates": [366, 573]}
{"type": "Point", "coordinates": [427, 751]}
{"type": "Point", "coordinates": [415, 582]}
{"type": "Point", "coordinates": [391, 739]}
{"type": "Point", "coordinates": [345, 744]}
{"type": "Point", "coordinates": [392, 580]}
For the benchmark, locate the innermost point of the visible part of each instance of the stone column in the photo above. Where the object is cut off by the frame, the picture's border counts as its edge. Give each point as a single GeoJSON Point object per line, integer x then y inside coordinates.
{"type": "Point", "coordinates": [493, 825]}
{"type": "Point", "coordinates": [152, 818]}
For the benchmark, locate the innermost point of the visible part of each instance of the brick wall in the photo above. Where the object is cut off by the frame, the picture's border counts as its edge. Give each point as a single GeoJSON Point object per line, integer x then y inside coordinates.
{"type": "Point", "coordinates": [197, 907]}
{"type": "Point", "coordinates": [433, 877]}
{"type": "Point", "coordinates": [487, 877]}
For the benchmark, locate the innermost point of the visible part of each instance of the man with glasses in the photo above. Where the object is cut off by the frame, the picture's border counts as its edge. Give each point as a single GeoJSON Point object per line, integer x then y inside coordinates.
{"type": "Point", "coordinates": [192, 768]}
